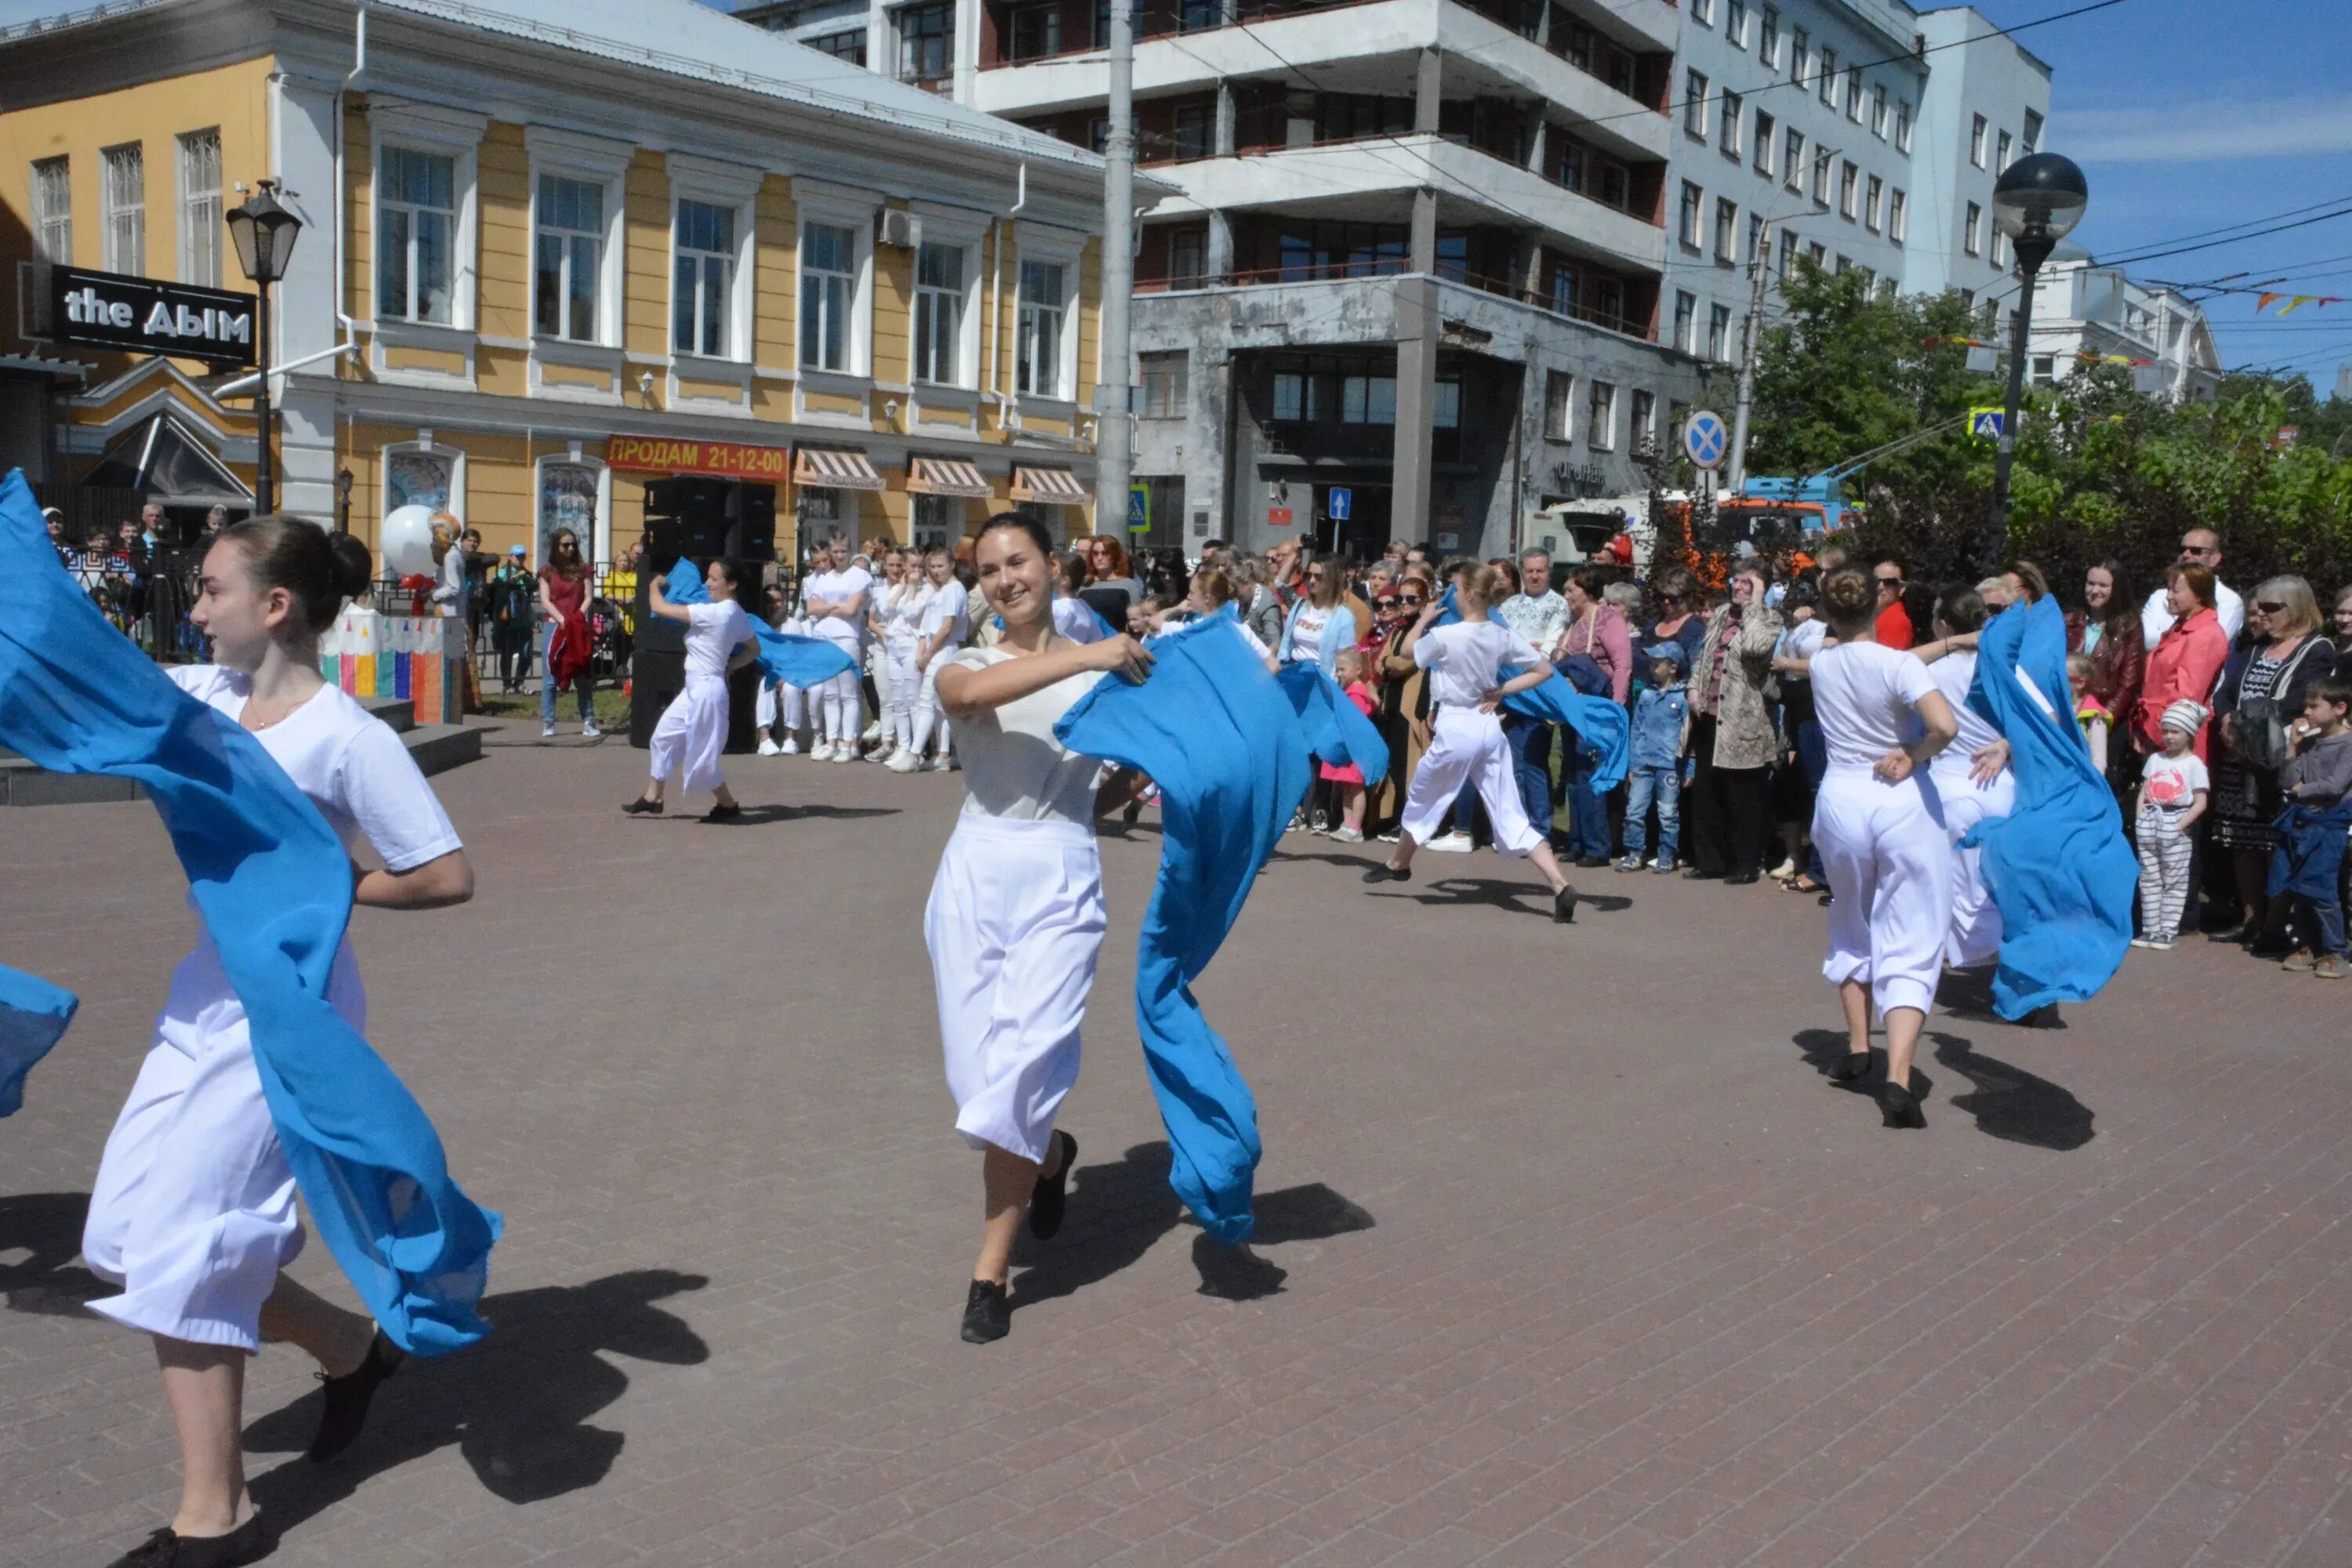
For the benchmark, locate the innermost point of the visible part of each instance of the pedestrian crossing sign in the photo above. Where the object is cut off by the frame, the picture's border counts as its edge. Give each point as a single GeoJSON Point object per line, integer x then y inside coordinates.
{"type": "Point", "coordinates": [1986, 424]}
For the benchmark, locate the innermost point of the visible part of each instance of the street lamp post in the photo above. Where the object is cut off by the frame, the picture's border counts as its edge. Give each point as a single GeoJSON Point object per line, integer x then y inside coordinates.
{"type": "Point", "coordinates": [344, 480]}
{"type": "Point", "coordinates": [264, 233]}
{"type": "Point", "coordinates": [2036, 201]}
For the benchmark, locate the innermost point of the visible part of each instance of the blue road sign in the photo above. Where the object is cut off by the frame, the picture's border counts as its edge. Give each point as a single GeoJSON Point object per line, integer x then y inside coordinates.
{"type": "Point", "coordinates": [1139, 509]}
{"type": "Point", "coordinates": [1985, 424]}
{"type": "Point", "coordinates": [1340, 504]}
{"type": "Point", "coordinates": [1705, 437]}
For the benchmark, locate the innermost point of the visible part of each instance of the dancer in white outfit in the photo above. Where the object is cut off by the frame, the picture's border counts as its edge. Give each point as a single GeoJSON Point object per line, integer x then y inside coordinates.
{"type": "Point", "coordinates": [945, 624]}
{"type": "Point", "coordinates": [897, 622]}
{"type": "Point", "coordinates": [192, 1214]}
{"type": "Point", "coordinates": [1015, 917]}
{"type": "Point", "coordinates": [838, 598]}
{"type": "Point", "coordinates": [1466, 662]}
{"type": "Point", "coordinates": [691, 734]}
{"type": "Point", "coordinates": [1881, 834]}
{"type": "Point", "coordinates": [1971, 777]}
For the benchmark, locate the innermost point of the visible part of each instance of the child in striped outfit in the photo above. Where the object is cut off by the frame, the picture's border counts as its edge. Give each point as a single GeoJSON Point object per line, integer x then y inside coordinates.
{"type": "Point", "coordinates": [2174, 792]}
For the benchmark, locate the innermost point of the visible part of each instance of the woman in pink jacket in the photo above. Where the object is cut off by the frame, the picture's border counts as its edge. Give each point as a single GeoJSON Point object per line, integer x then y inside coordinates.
{"type": "Point", "coordinates": [1597, 633]}
{"type": "Point", "coordinates": [2186, 662]}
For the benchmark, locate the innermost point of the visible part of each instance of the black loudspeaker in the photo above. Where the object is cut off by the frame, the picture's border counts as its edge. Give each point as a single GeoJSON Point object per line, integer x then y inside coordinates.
{"type": "Point", "coordinates": [655, 634]}
{"type": "Point", "coordinates": [751, 523]}
{"type": "Point", "coordinates": [699, 505]}
{"type": "Point", "coordinates": [743, 710]}
{"type": "Point", "coordinates": [655, 676]}
{"type": "Point", "coordinates": [661, 545]}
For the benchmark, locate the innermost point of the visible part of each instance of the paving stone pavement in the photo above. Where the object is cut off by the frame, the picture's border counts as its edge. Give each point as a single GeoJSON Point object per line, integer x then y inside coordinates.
{"type": "Point", "coordinates": [1569, 1253]}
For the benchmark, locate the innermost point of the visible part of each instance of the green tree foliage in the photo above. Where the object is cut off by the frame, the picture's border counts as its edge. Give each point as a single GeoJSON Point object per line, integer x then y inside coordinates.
{"type": "Point", "coordinates": [2102, 471]}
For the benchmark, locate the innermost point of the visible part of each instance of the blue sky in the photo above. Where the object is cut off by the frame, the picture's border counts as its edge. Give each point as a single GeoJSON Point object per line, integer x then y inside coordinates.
{"type": "Point", "coordinates": [2188, 116]}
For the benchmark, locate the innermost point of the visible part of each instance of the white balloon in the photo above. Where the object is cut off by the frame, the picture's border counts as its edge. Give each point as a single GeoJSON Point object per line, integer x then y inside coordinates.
{"type": "Point", "coordinates": [406, 543]}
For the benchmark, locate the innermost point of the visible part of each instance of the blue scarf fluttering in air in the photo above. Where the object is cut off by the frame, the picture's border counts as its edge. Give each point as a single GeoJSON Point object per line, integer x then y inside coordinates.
{"type": "Point", "coordinates": [1602, 723]}
{"type": "Point", "coordinates": [785, 657]}
{"type": "Point", "coordinates": [274, 887]}
{"type": "Point", "coordinates": [33, 1015]}
{"type": "Point", "coordinates": [2057, 865]}
{"type": "Point", "coordinates": [1336, 729]}
{"type": "Point", "coordinates": [1229, 747]}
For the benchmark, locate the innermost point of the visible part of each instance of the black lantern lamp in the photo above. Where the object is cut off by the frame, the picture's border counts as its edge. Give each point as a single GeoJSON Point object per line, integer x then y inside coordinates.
{"type": "Point", "coordinates": [263, 232]}
{"type": "Point", "coordinates": [2037, 201]}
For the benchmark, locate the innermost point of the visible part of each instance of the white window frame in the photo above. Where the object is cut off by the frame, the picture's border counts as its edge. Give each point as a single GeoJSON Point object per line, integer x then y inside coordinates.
{"type": "Point", "coordinates": [1999, 249]}
{"type": "Point", "coordinates": [2001, 150]}
{"type": "Point", "coordinates": [1735, 115]}
{"type": "Point", "coordinates": [600, 547]}
{"type": "Point", "coordinates": [448, 133]}
{"type": "Point", "coordinates": [1687, 340]}
{"type": "Point", "coordinates": [1898, 217]}
{"type": "Point", "coordinates": [1800, 54]}
{"type": "Point", "coordinates": [429, 447]}
{"type": "Point", "coordinates": [837, 206]}
{"type": "Point", "coordinates": [1902, 125]}
{"type": "Point", "coordinates": [1767, 39]}
{"type": "Point", "coordinates": [962, 231]}
{"type": "Point", "coordinates": [1718, 333]}
{"type": "Point", "coordinates": [1735, 22]}
{"type": "Point", "coordinates": [1971, 241]}
{"type": "Point", "coordinates": [1768, 132]}
{"type": "Point", "coordinates": [1063, 249]}
{"type": "Point", "coordinates": [386, 206]}
{"type": "Point", "coordinates": [1559, 414]}
{"type": "Point", "coordinates": [735, 188]}
{"type": "Point", "coordinates": [1976, 142]}
{"type": "Point", "coordinates": [1703, 11]}
{"type": "Point", "coordinates": [1694, 91]}
{"type": "Point", "coordinates": [1792, 169]}
{"type": "Point", "coordinates": [1853, 94]}
{"type": "Point", "coordinates": [204, 231]}
{"type": "Point", "coordinates": [2028, 134]}
{"type": "Point", "coordinates": [1849, 189]}
{"type": "Point", "coordinates": [1828, 79]}
{"type": "Point", "coordinates": [594, 161]}
{"type": "Point", "coordinates": [1644, 419]}
{"type": "Point", "coordinates": [1726, 231]}
{"type": "Point", "coordinates": [1878, 103]}
{"type": "Point", "coordinates": [1690, 216]}
{"type": "Point", "coordinates": [1874, 203]}
{"type": "Point", "coordinates": [1600, 416]}
{"type": "Point", "coordinates": [52, 225]}
{"type": "Point", "coordinates": [122, 226]}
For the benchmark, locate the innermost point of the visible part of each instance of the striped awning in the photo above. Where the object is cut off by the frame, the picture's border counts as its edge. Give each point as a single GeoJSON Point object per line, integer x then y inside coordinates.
{"type": "Point", "coordinates": [1054, 487]}
{"type": "Point", "coordinates": [947, 477]}
{"type": "Point", "coordinates": [834, 468]}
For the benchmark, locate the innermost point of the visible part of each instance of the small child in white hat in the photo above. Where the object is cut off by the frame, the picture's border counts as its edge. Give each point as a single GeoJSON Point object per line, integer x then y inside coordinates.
{"type": "Point", "coordinates": [2173, 793]}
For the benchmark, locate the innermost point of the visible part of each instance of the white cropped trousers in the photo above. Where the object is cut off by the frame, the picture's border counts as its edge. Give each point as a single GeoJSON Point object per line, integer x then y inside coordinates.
{"type": "Point", "coordinates": [1975, 936]}
{"type": "Point", "coordinates": [928, 714]}
{"type": "Point", "coordinates": [1015, 925]}
{"type": "Point", "coordinates": [901, 689]}
{"type": "Point", "coordinates": [1468, 744]}
{"type": "Point", "coordinates": [1890, 869]}
{"type": "Point", "coordinates": [691, 734]}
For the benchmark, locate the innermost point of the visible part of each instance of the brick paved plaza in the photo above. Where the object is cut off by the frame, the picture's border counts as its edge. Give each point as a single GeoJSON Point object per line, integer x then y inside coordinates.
{"type": "Point", "coordinates": [1568, 1252]}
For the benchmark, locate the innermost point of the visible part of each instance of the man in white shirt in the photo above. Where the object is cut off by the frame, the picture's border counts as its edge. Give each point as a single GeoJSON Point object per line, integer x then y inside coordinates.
{"type": "Point", "coordinates": [1540, 615]}
{"type": "Point", "coordinates": [2198, 547]}
{"type": "Point", "coordinates": [839, 593]}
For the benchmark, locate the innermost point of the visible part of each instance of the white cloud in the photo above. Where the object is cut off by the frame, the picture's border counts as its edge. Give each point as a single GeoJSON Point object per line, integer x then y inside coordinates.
{"type": "Point", "coordinates": [2217, 131]}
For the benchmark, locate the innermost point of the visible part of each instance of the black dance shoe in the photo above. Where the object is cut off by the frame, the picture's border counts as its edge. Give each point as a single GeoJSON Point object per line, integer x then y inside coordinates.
{"type": "Point", "coordinates": [348, 1397]}
{"type": "Point", "coordinates": [1855, 1067]}
{"type": "Point", "coordinates": [723, 813]}
{"type": "Point", "coordinates": [1388, 874]}
{"type": "Point", "coordinates": [641, 807]}
{"type": "Point", "coordinates": [987, 1313]}
{"type": "Point", "coordinates": [1052, 1193]}
{"type": "Point", "coordinates": [1563, 906]}
{"type": "Point", "coordinates": [1900, 1107]}
{"type": "Point", "coordinates": [248, 1542]}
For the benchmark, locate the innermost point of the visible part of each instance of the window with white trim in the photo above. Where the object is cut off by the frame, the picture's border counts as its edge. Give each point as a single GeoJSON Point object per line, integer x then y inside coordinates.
{"type": "Point", "coordinates": [1694, 104]}
{"type": "Point", "coordinates": [416, 226]}
{"type": "Point", "coordinates": [572, 495]}
{"type": "Point", "coordinates": [2031, 139]}
{"type": "Point", "coordinates": [1828, 79]}
{"type": "Point", "coordinates": [1645, 417]}
{"type": "Point", "coordinates": [1874, 205]}
{"type": "Point", "coordinates": [200, 223]}
{"type": "Point", "coordinates": [1735, 22]}
{"type": "Point", "coordinates": [702, 298]}
{"type": "Point", "coordinates": [1821, 175]}
{"type": "Point", "coordinates": [1898, 215]}
{"type": "Point", "coordinates": [1999, 249]}
{"type": "Point", "coordinates": [122, 207]}
{"type": "Point", "coordinates": [1768, 131]}
{"type": "Point", "coordinates": [1768, 49]}
{"type": "Point", "coordinates": [1037, 351]}
{"type": "Point", "coordinates": [431, 476]}
{"type": "Point", "coordinates": [1727, 230]}
{"type": "Point", "coordinates": [1167, 384]}
{"type": "Point", "coordinates": [1902, 125]}
{"type": "Point", "coordinates": [1692, 199]}
{"type": "Point", "coordinates": [1977, 142]}
{"type": "Point", "coordinates": [1703, 11]}
{"type": "Point", "coordinates": [828, 295]}
{"type": "Point", "coordinates": [1970, 241]}
{"type": "Point", "coordinates": [1793, 161]}
{"type": "Point", "coordinates": [1735, 114]}
{"type": "Point", "coordinates": [1601, 421]}
{"type": "Point", "coordinates": [1685, 317]}
{"type": "Point", "coordinates": [568, 259]}
{"type": "Point", "coordinates": [1854, 93]}
{"type": "Point", "coordinates": [1560, 405]}
{"type": "Point", "coordinates": [1788, 251]}
{"type": "Point", "coordinates": [1878, 112]}
{"type": "Point", "coordinates": [53, 210]}
{"type": "Point", "coordinates": [939, 312]}
{"type": "Point", "coordinates": [1800, 55]}
{"type": "Point", "coordinates": [1718, 332]}
{"type": "Point", "coordinates": [1849, 182]}
{"type": "Point", "coordinates": [2000, 153]}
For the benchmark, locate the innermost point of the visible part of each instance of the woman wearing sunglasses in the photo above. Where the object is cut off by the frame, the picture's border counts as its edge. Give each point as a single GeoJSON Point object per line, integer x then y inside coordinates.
{"type": "Point", "coordinates": [2271, 666]}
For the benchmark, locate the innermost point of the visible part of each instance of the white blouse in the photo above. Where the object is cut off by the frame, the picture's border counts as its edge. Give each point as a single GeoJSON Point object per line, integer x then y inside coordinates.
{"type": "Point", "coordinates": [1014, 767]}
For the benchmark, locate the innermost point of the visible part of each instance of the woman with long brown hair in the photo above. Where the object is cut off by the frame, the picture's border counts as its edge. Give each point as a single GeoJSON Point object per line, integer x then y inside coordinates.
{"type": "Point", "coordinates": [564, 600]}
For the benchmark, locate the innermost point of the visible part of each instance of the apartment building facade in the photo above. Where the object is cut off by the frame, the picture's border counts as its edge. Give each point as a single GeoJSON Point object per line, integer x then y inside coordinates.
{"type": "Point", "coordinates": [1987, 105]}
{"type": "Point", "coordinates": [554, 251]}
{"type": "Point", "coordinates": [2087, 314]}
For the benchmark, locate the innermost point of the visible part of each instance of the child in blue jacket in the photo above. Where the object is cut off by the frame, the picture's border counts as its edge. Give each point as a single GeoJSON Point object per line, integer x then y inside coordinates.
{"type": "Point", "coordinates": [1661, 729]}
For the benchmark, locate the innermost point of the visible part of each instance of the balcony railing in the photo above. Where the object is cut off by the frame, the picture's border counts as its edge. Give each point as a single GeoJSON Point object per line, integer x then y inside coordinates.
{"type": "Point", "coordinates": [1388, 267]}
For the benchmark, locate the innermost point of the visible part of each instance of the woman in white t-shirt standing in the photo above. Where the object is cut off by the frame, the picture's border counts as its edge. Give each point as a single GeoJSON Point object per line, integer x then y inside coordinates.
{"type": "Point", "coordinates": [838, 598]}
{"type": "Point", "coordinates": [192, 1214]}
{"type": "Point", "coordinates": [692, 733]}
{"type": "Point", "coordinates": [1015, 917]}
{"type": "Point", "coordinates": [941, 628]}
{"type": "Point", "coordinates": [898, 621]}
{"type": "Point", "coordinates": [1879, 823]}
{"type": "Point", "coordinates": [1466, 662]}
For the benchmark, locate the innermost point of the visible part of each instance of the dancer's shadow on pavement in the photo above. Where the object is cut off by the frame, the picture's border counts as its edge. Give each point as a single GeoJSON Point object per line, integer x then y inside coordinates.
{"type": "Point", "coordinates": [1119, 1211]}
{"type": "Point", "coordinates": [1966, 995]}
{"type": "Point", "coordinates": [2012, 1104]}
{"type": "Point", "coordinates": [47, 1227]}
{"type": "Point", "coordinates": [765, 816]}
{"type": "Point", "coordinates": [517, 1406]}
{"type": "Point", "coordinates": [1527, 896]}
{"type": "Point", "coordinates": [1824, 1048]}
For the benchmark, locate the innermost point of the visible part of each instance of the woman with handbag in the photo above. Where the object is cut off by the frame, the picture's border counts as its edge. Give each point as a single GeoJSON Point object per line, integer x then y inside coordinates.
{"type": "Point", "coordinates": [2281, 653]}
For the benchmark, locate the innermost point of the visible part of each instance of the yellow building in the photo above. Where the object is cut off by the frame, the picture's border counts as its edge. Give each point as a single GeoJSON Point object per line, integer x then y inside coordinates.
{"type": "Point", "coordinates": [553, 250]}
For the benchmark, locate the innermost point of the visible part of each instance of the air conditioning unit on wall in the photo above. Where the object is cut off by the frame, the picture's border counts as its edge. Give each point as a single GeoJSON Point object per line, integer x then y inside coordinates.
{"type": "Point", "coordinates": [892, 226]}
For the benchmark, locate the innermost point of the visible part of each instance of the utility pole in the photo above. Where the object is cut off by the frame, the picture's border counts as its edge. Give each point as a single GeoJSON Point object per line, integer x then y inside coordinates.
{"type": "Point", "coordinates": [1757, 265]}
{"type": "Point", "coordinates": [1114, 397]}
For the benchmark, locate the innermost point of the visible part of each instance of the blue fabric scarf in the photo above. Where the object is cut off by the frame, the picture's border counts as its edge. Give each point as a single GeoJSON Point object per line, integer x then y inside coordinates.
{"type": "Point", "coordinates": [2057, 865]}
{"type": "Point", "coordinates": [33, 1015]}
{"type": "Point", "coordinates": [1600, 723]}
{"type": "Point", "coordinates": [1229, 747]}
{"type": "Point", "coordinates": [785, 657]}
{"type": "Point", "coordinates": [273, 885]}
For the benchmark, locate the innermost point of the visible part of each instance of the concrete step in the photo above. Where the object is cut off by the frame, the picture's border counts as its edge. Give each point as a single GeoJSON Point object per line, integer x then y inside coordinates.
{"type": "Point", "coordinates": [397, 711]}
{"type": "Point", "coordinates": [438, 748]}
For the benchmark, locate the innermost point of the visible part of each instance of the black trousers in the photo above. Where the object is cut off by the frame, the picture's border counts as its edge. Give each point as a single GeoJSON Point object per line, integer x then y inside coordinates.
{"type": "Point", "coordinates": [1727, 812]}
